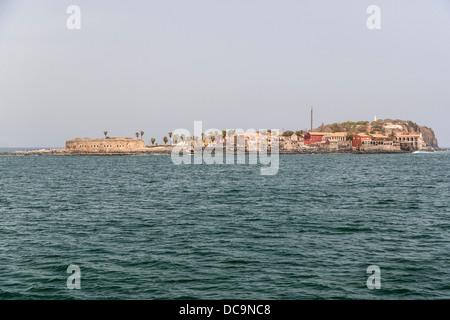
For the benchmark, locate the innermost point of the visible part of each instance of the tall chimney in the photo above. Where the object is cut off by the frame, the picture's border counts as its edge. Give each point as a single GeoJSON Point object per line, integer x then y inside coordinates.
{"type": "Point", "coordinates": [311, 119]}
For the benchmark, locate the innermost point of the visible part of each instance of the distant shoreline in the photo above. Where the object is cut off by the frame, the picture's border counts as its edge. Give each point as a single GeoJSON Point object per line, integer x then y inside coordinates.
{"type": "Point", "coordinates": [168, 151]}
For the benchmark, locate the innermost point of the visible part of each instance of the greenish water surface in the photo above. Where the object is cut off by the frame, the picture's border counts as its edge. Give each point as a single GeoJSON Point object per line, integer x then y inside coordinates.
{"type": "Point", "coordinates": [140, 227]}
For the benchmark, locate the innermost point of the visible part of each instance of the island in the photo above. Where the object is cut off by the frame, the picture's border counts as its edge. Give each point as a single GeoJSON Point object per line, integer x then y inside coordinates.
{"type": "Point", "coordinates": [378, 136]}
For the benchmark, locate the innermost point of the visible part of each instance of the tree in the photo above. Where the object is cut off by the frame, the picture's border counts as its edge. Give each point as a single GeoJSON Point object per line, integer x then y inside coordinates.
{"type": "Point", "coordinates": [175, 138]}
{"type": "Point", "coordinates": [153, 140]}
{"type": "Point", "coordinates": [142, 133]}
{"type": "Point", "coordinates": [336, 127]}
{"type": "Point", "coordinates": [224, 134]}
{"type": "Point", "coordinates": [170, 136]}
{"type": "Point", "coordinates": [392, 136]}
{"type": "Point", "coordinates": [105, 133]}
{"type": "Point", "coordinates": [288, 133]}
{"type": "Point", "coordinates": [350, 136]}
{"type": "Point", "coordinates": [362, 129]}
{"type": "Point", "coordinates": [299, 133]}
{"type": "Point", "coordinates": [137, 135]}
{"type": "Point", "coordinates": [165, 140]}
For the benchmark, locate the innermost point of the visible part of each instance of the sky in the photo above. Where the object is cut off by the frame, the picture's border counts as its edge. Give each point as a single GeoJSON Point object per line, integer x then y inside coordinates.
{"type": "Point", "coordinates": [157, 66]}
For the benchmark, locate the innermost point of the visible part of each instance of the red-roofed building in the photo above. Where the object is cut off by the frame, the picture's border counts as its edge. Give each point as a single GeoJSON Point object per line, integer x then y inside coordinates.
{"type": "Point", "coordinates": [314, 137]}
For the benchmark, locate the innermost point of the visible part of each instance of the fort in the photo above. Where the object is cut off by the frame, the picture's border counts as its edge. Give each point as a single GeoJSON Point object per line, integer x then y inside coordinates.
{"type": "Point", "coordinates": [105, 145]}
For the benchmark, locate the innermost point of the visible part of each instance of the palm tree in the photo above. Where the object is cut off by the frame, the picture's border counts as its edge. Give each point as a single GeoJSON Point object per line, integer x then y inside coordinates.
{"type": "Point", "coordinates": [105, 133]}
{"type": "Point", "coordinates": [153, 140]}
{"type": "Point", "coordinates": [142, 133]}
{"type": "Point", "coordinates": [170, 136]}
{"type": "Point", "coordinates": [165, 140]}
{"type": "Point", "coordinates": [224, 134]}
{"type": "Point", "coordinates": [137, 135]}
{"type": "Point", "coordinates": [175, 138]}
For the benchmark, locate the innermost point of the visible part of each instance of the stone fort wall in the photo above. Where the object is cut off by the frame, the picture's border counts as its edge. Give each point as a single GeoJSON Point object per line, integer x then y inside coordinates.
{"type": "Point", "coordinates": [105, 145]}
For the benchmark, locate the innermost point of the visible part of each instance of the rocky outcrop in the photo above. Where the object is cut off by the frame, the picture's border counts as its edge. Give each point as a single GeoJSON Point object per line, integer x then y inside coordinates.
{"type": "Point", "coordinates": [429, 137]}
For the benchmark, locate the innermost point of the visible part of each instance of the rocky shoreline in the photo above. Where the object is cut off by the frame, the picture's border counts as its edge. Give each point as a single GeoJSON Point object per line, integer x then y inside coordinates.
{"type": "Point", "coordinates": [63, 152]}
{"type": "Point", "coordinates": [167, 151]}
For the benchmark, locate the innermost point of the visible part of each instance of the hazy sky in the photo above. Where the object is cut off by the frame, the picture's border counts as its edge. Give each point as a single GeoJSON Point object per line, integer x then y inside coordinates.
{"type": "Point", "coordinates": [159, 65]}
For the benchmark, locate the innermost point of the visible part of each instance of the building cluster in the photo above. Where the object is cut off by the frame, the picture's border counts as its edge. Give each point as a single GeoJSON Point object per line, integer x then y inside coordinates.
{"type": "Point", "coordinates": [360, 141]}
{"type": "Point", "coordinates": [314, 140]}
{"type": "Point", "coordinates": [344, 140]}
{"type": "Point", "coordinates": [248, 141]}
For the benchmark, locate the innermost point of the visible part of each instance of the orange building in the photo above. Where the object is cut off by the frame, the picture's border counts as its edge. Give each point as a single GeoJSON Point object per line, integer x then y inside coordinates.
{"type": "Point", "coordinates": [361, 139]}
